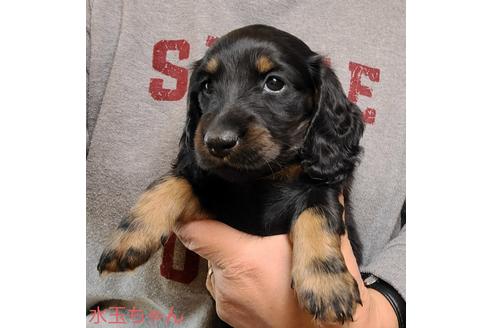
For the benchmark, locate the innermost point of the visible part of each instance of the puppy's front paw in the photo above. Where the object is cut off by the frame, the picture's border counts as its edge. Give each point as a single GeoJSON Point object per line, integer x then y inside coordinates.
{"type": "Point", "coordinates": [156, 212]}
{"type": "Point", "coordinates": [128, 250]}
{"type": "Point", "coordinates": [328, 296]}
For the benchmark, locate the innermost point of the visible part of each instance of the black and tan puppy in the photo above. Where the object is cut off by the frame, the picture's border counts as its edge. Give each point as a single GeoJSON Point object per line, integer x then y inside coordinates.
{"type": "Point", "coordinates": [270, 142]}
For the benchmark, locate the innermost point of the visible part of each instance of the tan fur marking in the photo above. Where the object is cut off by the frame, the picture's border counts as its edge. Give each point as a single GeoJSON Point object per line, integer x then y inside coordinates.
{"type": "Point", "coordinates": [288, 173]}
{"type": "Point", "coordinates": [264, 64]}
{"type": "Point", "coordinates": [162, 206]}
{"type": "Point", "coordinates": [311, 238]}
{"type": "Point", "coordinates": [341, 199]}
{"type": "Point", "coordinates": [200, 144]}
{"type": "Point", "coordinates": [156, 213]}
{"type": "Point", "coordinates": [212, 65]}
{"type": "Point", "coordinates": [260, 139]}
{"type": "Point", "coordinates": [257, 140]}
{"type": "Point", "coordinates": [312, 241]}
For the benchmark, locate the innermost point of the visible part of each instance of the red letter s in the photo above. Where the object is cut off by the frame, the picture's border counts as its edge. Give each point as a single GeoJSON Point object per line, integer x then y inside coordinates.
{"type": "Point", "coordinates": [160, 63]}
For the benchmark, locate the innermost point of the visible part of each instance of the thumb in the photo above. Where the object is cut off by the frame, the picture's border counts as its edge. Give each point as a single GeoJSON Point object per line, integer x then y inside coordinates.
{"type": "Point", "coordinates": [214, 240]}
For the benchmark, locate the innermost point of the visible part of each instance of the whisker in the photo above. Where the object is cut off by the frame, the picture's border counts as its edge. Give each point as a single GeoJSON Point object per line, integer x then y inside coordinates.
{"type": "Point", "coordinates": [268, 165]}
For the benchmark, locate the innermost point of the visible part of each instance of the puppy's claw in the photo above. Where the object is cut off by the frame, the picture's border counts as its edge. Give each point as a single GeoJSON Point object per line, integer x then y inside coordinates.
{"type": "Point", "coordinates": [329, 298]}
{"type": "Point", "coordinates": [119, 261]}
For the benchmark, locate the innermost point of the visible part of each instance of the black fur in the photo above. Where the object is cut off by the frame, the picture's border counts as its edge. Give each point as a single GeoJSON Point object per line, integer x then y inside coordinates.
{"type": "Point", "coordinates": [128, 224]}
{"type": "Point", "coordinates": [312, 122]}
{"type": "Point", "coordinates": [329, 265]}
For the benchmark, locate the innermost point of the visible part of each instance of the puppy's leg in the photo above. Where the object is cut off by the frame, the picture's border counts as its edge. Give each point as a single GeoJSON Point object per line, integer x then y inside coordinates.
{"type": "Point", "coordinates": [166, 201]}
{"type": "Point", "coordinates": [323, 284]}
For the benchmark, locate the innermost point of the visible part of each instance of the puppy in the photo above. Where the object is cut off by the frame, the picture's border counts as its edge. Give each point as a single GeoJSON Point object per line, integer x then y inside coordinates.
{"type": "Point", "coordinates": [270, 143]}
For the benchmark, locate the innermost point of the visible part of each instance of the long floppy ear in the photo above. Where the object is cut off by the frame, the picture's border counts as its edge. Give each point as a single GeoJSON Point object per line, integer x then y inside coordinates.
{"type": "Point", "coordinates": [331, 147]}
{"type": "Point", "coordinates": [193, 113]}
{"type": "Point", "coordinates": [185, 156]}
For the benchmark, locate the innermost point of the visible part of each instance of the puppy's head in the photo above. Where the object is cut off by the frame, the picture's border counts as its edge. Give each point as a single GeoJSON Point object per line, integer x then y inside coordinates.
{"type": "Point", "coordinates": [260, 100]}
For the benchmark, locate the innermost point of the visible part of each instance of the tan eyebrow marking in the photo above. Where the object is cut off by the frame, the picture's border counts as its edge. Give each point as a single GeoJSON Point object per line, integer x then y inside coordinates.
{"type": "Point", "coordinates": [212, 65]}
{"type": "Point", "coordinates": [264, 64]}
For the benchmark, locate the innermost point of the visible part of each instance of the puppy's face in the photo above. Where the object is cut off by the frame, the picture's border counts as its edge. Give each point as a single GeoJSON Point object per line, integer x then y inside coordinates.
{"type": "Point", "coordinates": [254, 92]}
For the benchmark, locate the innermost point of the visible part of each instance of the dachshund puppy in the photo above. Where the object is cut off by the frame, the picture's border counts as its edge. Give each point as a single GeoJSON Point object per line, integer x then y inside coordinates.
{"type": "Point", "coordinates": [270, 143]}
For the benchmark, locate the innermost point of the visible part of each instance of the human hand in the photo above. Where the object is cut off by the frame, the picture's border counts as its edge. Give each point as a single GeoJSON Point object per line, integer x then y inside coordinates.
{"type": "Point", "coordinates": [250, 279]}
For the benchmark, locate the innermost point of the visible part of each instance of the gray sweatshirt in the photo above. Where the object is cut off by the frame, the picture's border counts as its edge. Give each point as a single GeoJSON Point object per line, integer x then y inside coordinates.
{"type": "Point", "coordinates": [139, 58]}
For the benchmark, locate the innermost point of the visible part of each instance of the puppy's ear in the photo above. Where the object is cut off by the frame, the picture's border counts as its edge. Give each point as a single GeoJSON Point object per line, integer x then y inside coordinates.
{"type": "Point", "coordinates": [194, 111]}
{"type": "Point", "coordinates": [331, 147]}
{"type": "Point", "coordinates": [185, 158]}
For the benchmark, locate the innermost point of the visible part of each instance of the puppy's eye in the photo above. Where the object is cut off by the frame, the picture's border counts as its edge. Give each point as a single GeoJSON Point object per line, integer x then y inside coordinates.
{"type": "Point", "coordinates": [206, 87]}
{"type": "Point", "coordinates": [274, 84]}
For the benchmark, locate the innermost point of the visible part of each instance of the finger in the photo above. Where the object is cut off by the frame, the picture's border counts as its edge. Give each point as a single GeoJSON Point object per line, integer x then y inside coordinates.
{"type": "Point", "coordinates": [352, 266]}
{"type": "Point", "coordinates": [341, 200]}
{"type": "Point", "coordinates": [210, 283]}
{"type": "Point", "coordinates": [348, 254]}
{"type": "Point", "coordinates": [213, 240]}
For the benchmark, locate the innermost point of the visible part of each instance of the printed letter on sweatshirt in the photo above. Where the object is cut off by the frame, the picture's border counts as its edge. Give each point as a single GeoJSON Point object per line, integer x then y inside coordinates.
{"type": "Point", "coordinates": [161, 64]}
{"type": "Point", "coordinates": [191, 262]}
{"type": "Point", "coordinates": [356, 87]}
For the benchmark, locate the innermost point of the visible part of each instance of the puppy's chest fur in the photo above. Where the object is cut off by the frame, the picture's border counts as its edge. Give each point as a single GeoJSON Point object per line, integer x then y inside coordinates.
{"type": "Point", "coordinates": [262, 207]}
{"type": "Point", "coordinates": [257, 208]}
{"type": "Point", "coordinates": [269, 206]}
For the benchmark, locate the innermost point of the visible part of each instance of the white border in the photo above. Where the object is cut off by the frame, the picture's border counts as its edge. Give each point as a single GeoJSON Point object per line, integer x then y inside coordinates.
{"type": "Point", "coordinates": [449, 163]}
{"type": "Point", "coordinates": [42, 135]}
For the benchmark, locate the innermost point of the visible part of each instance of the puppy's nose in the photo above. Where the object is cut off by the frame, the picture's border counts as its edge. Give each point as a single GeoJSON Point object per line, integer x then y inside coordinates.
{"type": "Point", "coordinates": [222, 143]}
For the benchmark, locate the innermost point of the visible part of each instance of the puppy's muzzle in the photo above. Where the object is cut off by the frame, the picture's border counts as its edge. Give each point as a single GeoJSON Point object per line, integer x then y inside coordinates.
{"type": "Point", "coordinates": [221, 143]}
